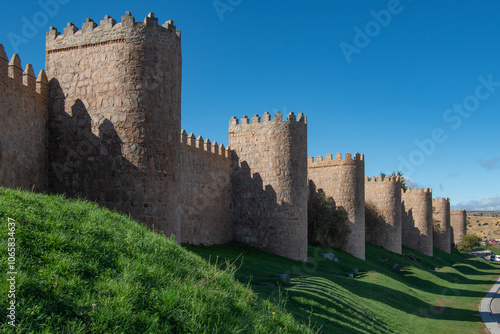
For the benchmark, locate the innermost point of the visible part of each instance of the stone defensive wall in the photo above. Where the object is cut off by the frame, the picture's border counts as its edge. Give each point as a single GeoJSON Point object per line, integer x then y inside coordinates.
{"type": "Point", "coordinates": [269, 174]}
{"type": "Point", "coordinates": [441, 224]}
{"type": "Point", "coordinates": [115, 112]}
{"type": "Point", "coordinates": [383, 212]}
{"type": "Point", "coordinates": [205, 198]}
{"type": "Point", "coordinates": [458, 225]}
{"type": "Point", "coordinates": [416, 214]}
{"type": "Point", "coordinates": [344, 180]}
{"type": "Point", "coordinates": [23, 125]}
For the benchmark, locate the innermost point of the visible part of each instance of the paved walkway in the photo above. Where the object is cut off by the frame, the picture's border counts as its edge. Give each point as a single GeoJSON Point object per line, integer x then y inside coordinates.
{"type": "Point", "coordinates": [490, 309]}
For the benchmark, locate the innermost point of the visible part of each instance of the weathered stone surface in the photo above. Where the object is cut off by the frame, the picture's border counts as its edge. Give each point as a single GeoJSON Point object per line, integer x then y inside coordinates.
{"type": "Point", "coordinates": [416, 212]}
{"type": "Point", "coordinates": [384, 196]}
{"type": "Point", "coordinates": [458, 222]}
{"type": "Point", "coordinates": [441, 224]}
{"type": "Point", "coordinates": [205, 194]}
{"type": "Point", "coordinates": [115, 118]}
{"type": "Point", "coordinates": [23, 126]}
{"type": "Point", "coordinates": [270, 183]}
{"type": "Point", "coordinates": [343, 179]}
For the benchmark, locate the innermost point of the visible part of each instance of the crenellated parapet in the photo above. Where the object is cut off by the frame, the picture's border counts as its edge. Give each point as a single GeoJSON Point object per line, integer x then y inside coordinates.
{"type": "Point", "coordinates": [417, 227]}
{"type": "Point", "coordinates": [337, 160]}
{"type": "Point", "coordinates": [441, 224]}
{"type": "Point", "coordinates": [458, 223]}
{"type": "Point", "coordinates": [205, 145]}
{"type": "Point", "coordinates": [13, 75]}
{"type": "Point", "coordinates": [118, 85]}
{"type": "Point", "coordinates": [23, 125]}
{"type": "Point", "coordinates": [205, 191]}
{"type": "Point", "coordinates": [278, 117]}
{"type": "Point", "coordinates": [109, 31]}
{"type": "Point", "coordinates": [383, 212]}
{"type": "Point", "coordinates": [343, 179]}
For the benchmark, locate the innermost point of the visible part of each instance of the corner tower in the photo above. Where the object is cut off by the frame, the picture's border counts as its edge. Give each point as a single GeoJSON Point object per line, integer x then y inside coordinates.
{"type": "Point", "coordinates": [344, 180]}
{"type": "Point", "coordinates": [270, 183]}
{"type": "Point", "coordinates": [115, 112]}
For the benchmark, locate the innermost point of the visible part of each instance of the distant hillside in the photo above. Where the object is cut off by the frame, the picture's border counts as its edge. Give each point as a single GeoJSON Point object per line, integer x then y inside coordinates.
{"type": "Point", "coordinates": [490, 213]}
{"type": "Point", "coordinates": [485, 224]}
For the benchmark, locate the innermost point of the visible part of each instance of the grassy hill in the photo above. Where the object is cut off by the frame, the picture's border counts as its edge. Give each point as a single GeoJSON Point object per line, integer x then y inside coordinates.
{"type": "Point", "coordinates": [85, 269]}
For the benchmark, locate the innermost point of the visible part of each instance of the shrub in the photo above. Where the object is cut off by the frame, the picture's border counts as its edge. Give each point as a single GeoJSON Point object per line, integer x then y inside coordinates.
{"type": "Point", "coordinates": [327, 224]}
{"type": "Point", "coordinates": [469, 242]}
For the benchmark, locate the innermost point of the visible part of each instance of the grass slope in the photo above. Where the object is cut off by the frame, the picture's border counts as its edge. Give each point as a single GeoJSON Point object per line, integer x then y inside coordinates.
{"type": "Point", "coordinates": [84, 269]}
{"type": "Point", "coordinates": [415, 298]}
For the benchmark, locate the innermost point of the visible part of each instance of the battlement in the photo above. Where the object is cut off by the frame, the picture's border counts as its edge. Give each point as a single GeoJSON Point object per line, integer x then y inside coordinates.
{"type": "Point", "coordinates": [417, 191]}
{"type": "Point", "coordinates": [441, 200]}
{"type": "Point", "coordinates": [458, 212]}
{"type": "Point", "coordinates": [107, 32]}
{"type": "Point", "coordinates": [387, 179]}
{"type": "Point", "coordinates": [278, 117]}
{"type": "Point", "coordinates": [13, 70]}
{"type": "Point", "coordinates": [205, 145]}
{"type": "Point", "coordinates": [357, 159]}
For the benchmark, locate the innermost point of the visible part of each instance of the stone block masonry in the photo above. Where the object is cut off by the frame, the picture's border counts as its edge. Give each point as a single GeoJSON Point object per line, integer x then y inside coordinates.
{"type": "Point", "coordinates": [383, 197]}
{"type": "Point", "coordinates": [104, 124]}
{"type": "Point", "coordinates": [441, 224]}
{"type": "Point", "coordinates": [270, 183]}
{"type": "Point", "coordinates": [344, 180]}
{"type": "Point", "coordinates": [23, 125]}
{"type": "Point", "coordinates": [115, 92]}
{"type": "Point", "coordinates": [416, 213]}
{"type": "Point", "coordinates": [205, 192]}
{"type": "Point", "coordinates": [458, 222]}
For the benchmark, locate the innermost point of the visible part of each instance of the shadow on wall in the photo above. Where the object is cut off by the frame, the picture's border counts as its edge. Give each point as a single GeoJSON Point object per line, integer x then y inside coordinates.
{"type": "Point", "coordinates": [377, 230]}
{"type": "Point", "coordinates": [328, 224]}
{"type": "Point", "coordinates": [254, 206]}
{"type": "Point", "coordinates": [412, 236]}
{"type": "Point", "coordinates": [260, 219]}
{"type": "Point", "coordinates": [87, 166]}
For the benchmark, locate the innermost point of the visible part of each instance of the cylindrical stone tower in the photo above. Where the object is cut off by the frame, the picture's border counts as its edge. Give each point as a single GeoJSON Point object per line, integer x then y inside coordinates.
{"type": "Point", "coordinates": [344, 180]}
{"type": "Point", "coordinates": [383, 227]}
{"type": "Point", "coordinates": [115, 112]}
{"type": "Point", "coordinates": [441, 224]}
{"type": "Point", "coordinates": [416, 212]}
{"type": "Point", "coordinates": [270, 183]}
{"type": "Point", "coordinates": [458, 222]}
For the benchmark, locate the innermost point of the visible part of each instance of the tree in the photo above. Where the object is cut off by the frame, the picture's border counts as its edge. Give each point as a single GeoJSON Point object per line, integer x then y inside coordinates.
{"type": "Point", "coordinates": [395, 174]}
{"type": "Point", "coordinates": [469, 242]}
{"type": "Point", "coordinates": [327, 224]}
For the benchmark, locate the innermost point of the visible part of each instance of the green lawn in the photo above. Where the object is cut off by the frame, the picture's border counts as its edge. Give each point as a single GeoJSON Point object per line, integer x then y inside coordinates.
{"type": "Point", "coordinates": [84, 269]}
{"type": "Point", "coordinates": [415, 298]}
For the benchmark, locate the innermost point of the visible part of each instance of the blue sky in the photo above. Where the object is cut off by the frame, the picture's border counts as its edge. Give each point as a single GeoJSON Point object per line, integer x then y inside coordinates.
{"type": "Point", "coordinates": [413, 85]}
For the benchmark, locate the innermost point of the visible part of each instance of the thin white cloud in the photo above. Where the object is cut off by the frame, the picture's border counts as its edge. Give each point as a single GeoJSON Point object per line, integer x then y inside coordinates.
{"type": "Point", "coordinates": [490, 164]}
{"type": "Point", "coordinates": [410, 184]}
{"type": "Point", "coordinates": [492, 203]}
